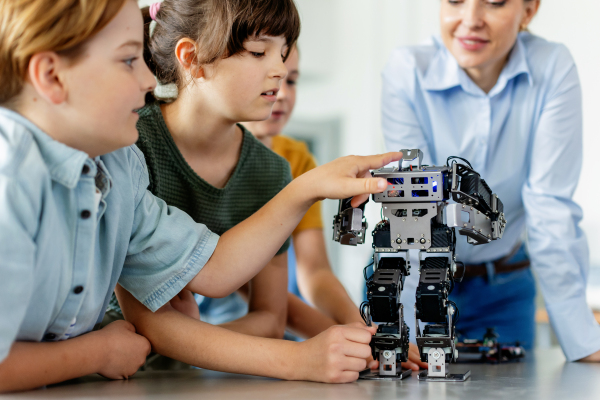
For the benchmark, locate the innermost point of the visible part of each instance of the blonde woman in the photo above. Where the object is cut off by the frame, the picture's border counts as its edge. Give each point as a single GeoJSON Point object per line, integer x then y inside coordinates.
{"type": "Point", "coordinates": [509, 102]}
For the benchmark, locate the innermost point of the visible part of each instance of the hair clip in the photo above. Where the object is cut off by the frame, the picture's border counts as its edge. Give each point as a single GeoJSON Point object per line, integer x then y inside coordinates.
{"type": "Point", "coordinates": [153, 10]}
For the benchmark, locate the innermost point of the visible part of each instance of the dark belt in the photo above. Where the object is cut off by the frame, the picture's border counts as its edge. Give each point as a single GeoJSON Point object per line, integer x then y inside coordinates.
{"type": "Point", "coordinates": [500, 266]}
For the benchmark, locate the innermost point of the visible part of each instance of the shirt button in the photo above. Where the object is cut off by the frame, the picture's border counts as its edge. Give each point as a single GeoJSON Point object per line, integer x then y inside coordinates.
{"type": "Point", "coordinates": [78, 289]}
{"type": "Point", "coordinates": [85, 214]}
{"type": "Point", "coordinates": [49, 336]}
{"type": "Point", "coordinates": [85, 170]}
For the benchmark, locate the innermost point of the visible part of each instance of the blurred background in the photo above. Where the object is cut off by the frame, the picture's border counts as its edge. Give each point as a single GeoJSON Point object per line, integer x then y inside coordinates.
{"type": "Point", "coordinates": [344, 46]}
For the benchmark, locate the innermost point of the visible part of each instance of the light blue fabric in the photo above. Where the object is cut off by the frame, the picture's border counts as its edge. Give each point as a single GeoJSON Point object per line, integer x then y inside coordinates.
{"type": "Point", "coordinates": [59, 259]}
{"type": "Point", "coordinates": [292, 277]}
{"type": "Point", "coordinates": [525, 138]}
{"type": "Point", "coordinates": [232, 307]}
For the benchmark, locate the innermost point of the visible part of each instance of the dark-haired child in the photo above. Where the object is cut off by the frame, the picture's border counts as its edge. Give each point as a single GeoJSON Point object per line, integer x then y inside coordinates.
{"type": "Point", "coordinates": [199, 159]}
{"type": "Point", "coordinates": [226, 61]}
{"type": "Point", "coordinates": [76, 218]}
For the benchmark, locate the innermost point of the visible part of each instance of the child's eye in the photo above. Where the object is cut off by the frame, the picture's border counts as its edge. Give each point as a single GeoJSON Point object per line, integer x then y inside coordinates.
{"type": "Point", "coordinates": [454, 1]}
{"type": "Point", "coordinates": [497, 3]}
{"type": "Point", "coordinates": [129, 61]}
{"type": "Point", "coordinates": [257, 54]}
{"type": "Point", "coordinates": [291, 83]}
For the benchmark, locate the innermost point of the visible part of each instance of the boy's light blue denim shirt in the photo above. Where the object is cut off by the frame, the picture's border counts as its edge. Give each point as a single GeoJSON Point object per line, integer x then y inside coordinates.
{"type": "Point", "coordinates": [59, 259]}
{"type": "Point", "coordinates": [525, 138]}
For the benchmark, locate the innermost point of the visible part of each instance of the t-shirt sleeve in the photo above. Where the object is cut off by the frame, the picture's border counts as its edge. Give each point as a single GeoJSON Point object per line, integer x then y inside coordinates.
{"type": "Point", "coordinates": [166, 250]}
{"type": "Point", "coordinates": [301, 161]}
{"type": "Point", "coordinates": [312, 219]}
{"type": "Point", "coordinates": [286, 179]}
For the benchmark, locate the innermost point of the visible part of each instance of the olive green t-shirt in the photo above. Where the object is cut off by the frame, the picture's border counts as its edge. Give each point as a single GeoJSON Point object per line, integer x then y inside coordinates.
{"type": "Point", "coordinates": [259, 175]}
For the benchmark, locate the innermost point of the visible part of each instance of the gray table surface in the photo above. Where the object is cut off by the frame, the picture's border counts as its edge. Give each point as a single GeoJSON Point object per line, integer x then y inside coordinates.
{"type": "Point", "coordinates": [544, 375]}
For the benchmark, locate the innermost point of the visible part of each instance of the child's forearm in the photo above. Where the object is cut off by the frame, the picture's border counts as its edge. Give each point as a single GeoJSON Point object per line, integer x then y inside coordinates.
{"type": "Point", "coordinates": [31, 365]}
{"type": "Point", "coordinates": [243, 250]}
{"type": "Point", "coordinates": [256, 323]}
{"type": "Point", "coordinates": [330, 296]}
{"type": "Point", "coordinates": [266, 295]}
{"type": "Point", "coordinates": [304, 320]}
{"type": "Point", "coordinates": [336, 355]}
{"type": "Point", "coordinates": [316, 279]}
{"type": "Point", "coordinates": [194, 342]}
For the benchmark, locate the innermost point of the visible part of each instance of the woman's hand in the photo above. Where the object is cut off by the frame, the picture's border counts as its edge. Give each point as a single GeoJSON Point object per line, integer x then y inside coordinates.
{"type": "Point", "coordinates": [346, 177]}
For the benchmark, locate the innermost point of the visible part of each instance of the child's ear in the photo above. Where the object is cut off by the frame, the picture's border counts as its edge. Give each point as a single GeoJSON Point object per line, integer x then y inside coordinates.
{"type": "Point", "coordinates": [185, 51]}
{"type": "Point", "coordinates": [44, 74]}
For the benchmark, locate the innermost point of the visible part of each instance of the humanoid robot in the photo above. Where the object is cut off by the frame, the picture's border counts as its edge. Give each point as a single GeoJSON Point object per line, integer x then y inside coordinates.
{"type": "Point", "coordinates": [416, 215]}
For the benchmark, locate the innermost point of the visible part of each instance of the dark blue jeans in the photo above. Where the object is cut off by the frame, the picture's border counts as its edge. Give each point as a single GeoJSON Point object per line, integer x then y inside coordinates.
{"type": "Point", "coordinates": [504, 301]}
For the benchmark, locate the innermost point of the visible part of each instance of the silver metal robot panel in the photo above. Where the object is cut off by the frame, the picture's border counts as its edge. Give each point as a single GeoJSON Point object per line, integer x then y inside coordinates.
{"type": "Point", "coordinates": [417, 215]}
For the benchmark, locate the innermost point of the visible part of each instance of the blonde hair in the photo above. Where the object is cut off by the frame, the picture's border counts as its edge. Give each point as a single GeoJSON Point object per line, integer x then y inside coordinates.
{"type": "Point", "coordinates": [28, 27]}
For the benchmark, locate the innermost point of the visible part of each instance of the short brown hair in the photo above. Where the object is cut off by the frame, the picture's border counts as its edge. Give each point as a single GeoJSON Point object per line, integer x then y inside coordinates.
{"type": "Point", "coordinates": [218, 27]}
{"type": "Point", "coordinates": [28, 27]}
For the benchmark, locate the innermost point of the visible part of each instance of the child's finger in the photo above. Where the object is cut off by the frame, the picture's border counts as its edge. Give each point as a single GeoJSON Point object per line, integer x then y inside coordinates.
{"type": "Point", "coordinates": [374, 364]}
{"type": "Point", "coordinates": [358, 335]}
{"type": "Point", "coordinates": [410, 365]}
{"type": "Point", "coordinates": [361, 325]}
{"type": "Point", "coordinates": [357, 350]}
{"type": "Point", "coordinates": [365, 186]}
{"type": "Point", "coordinates": [125, 324]}
{"type": "Point", "coordinates": [355, 364]}
{"type": "Point", "coordinates": [415, 356]}
{"type": "Point", "coordinates": [378, 161]}
{"type": "Point", "coordinates": [358, 200]}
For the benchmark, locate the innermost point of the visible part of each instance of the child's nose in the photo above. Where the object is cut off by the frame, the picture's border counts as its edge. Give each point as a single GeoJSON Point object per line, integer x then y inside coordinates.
{"type": "Point", "coordinates": [148, 80]}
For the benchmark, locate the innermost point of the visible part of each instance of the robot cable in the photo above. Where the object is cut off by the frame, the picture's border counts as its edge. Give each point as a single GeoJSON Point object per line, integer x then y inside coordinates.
{"type": "Point", "coordinates": [365, 270]}
{"type": "Point", "coordinates": [365, 312]}
{"type": "Point", "coordinates": [454, 158]}
{"type": "Point", "coordinates": [456, 313]}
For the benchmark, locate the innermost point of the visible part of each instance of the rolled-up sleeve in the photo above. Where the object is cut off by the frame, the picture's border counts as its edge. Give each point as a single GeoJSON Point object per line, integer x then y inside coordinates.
{"type": "Point", "coordinates": [166, 251]}
{"type": "Point", "coordinates": [558, 247]}
{"type": "Point", "coordinates": [17, 247]}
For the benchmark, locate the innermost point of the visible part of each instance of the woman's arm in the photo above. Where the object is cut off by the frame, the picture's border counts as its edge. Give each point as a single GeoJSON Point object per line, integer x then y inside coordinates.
{"type": "Point", "coordinates": [267, 302]}
{"type": "Point", "coordinates": [336, 355]}
{"type": "Point", "coordinates": [557, 245]}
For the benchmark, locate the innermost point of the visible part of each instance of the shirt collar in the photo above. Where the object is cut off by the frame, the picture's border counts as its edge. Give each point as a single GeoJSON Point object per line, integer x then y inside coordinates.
{"type": "Point", "coordinates": [64, 163]}
{"type": "Point", "coordinates": [444, 72]}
